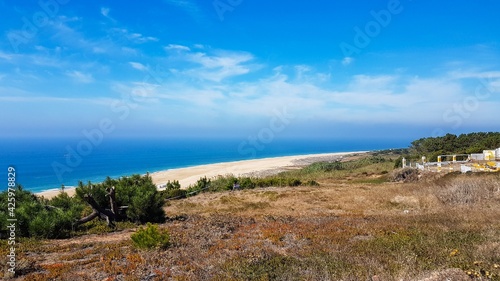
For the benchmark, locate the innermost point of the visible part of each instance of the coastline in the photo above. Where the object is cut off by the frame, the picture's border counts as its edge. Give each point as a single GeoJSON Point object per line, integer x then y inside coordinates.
{"type": "Point", "coordinates": [253, 167]}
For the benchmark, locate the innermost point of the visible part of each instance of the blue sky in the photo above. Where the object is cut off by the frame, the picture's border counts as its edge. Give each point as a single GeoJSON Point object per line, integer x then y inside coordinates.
{"type": "Point", "coordinates": [332, 69]}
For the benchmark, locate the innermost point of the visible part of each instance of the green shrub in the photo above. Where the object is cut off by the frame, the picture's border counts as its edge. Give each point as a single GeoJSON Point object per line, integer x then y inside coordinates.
{"type": "Point", "coordinates": [39, 217]}
{"type": "Point", "coordinates": [173, 191]}
{"type": "Point", "coordinates": [173, 185]}
{"type": "Point", "coordinates": [146, 206]}
{"type": "Point", "coordinates": [150, 237]}
{"type": "Point", "coordinates": [222, 183]}
{"type": "Point", "coordinates": [201, 185]}
{"type": "Point", "coordinates": [276, 181]}
{"type": "Point", "coordinates": [324, 167]}
{"type": "Point", "coordinates": [175, 194]}
{"type": "Point", "coordinates": [54, 218]}
{"type": "Point", "coordinates": [139, 193]}
{"type": "Point", "coordinates": [246, 183]}
{"type": "Point", "coordinates": [50, 224]}
{"type": "Point", "coordinates": [398, 163]}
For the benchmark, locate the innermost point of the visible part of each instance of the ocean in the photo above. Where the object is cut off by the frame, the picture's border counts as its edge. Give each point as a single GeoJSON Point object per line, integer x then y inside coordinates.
{"type": "Point", "coordinates": [43, 164]}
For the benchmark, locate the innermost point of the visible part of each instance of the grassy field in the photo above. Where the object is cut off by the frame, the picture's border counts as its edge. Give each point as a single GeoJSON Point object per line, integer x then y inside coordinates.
{"type": "Point", "coordinates": [356, 225]}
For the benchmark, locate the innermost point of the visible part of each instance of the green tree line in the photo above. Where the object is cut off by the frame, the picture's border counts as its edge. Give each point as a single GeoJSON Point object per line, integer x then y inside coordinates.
{"type": "Point", "coordinates": [432, 147]}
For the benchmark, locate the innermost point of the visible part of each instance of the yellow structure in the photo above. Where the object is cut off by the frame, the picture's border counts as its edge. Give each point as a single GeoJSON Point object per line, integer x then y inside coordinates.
{"type": "Point", "coordinates": [489, 155]}
{"type": "Point", "coordinates": [488, 167]}
{"type": "Point", "coordinates": [488, 161]}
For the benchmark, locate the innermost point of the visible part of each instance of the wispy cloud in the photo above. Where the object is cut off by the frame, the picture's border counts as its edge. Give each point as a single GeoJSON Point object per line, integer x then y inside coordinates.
{"type": "Point", "coordinates": [105, 11]}
{"type": "Point", "coordinates": [177, 47]}
{"type": "Point", "coordinates": [366, 82]}
{"type": "Point", "coordinates": [138, 66]}
{"type": "Point", "coordinates": [72, 38]}
{"type": "Point", "coordinates": [369, 99]}
{"type": "Point", "coordinates": [134, 37]}
{"type": "Point", "coordinates": [478, 74]}
{"type": "Point", "coordinates": [213, 65]}
{"type": "Point", "coordinates": [347, 60]}
{"type": "Point", "coordinates": [80, 77]}
{"type": "Point", "coordinates": [6, 56]}
{"type": "Point", "coordinates": [218, 68]}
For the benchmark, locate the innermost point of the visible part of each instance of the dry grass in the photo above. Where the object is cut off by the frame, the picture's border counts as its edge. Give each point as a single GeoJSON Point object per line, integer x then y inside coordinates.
{"type": "Point", "coordinates": [349, 228]}
{"type": "Point", "coordinates": [469, 190]}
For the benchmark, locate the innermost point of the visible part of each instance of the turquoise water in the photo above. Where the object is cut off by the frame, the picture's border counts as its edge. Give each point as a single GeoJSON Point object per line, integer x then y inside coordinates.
{"type": "Point", "coordinates": [43, 164]}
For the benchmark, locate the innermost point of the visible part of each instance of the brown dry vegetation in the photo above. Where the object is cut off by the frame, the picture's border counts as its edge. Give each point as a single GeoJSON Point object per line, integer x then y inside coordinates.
{"type": "Point", "coordinates": [354, 226]}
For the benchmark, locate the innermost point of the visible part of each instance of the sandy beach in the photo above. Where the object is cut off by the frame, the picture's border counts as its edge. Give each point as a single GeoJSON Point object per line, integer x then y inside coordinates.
{"type": "Point", "coordinates": [255, 167]}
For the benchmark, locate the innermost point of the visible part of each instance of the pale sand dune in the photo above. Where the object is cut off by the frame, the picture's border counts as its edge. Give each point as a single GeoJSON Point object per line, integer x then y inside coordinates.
{"type": "Point", "coordinates": [53, 192]}
{"type": "Point", "coordinates": [189, 175]}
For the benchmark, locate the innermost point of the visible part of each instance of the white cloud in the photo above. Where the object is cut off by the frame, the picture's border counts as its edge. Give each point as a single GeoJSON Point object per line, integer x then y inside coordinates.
{"type": "Point", "coordinates": [177, 47]}
{"type": "Point", "coordinates": [218, 68]}
{"type": "Point", "coordinates": [484, 79]}
{"type": "Point", "coordinates": [474, 74]}
{"type": "Point", "coordinates": [6, 56]}
{"type": "Point", "coordinates": [366, 82]}
{"type": "Point", "coordinates": [133, 37]}
{"type": "Point", "coordinates": [129, 51]}
{"type": "Point", "coordinates": [72, 39]}
{"type": "Point", "coordinates": [301, 71]}
{"type": "Point", "coordinates": [347, 60]}
{"type": "Point", "coordinates": [139, 38]}
{"type": "Point", "coordinates": [105, 11]}
{"type": "Point", "coordinates": [40, 59]}
{"type": "Point", "coordinates": [80, 77]}
{"type": "Point", "coordinates": [214, 65]}
{"type": "Point", "coordinates": [199, 79]}
{"type": "Point", "coordinates": [138, 66]}
{"type": "Point", "coordinates": [64, 18]}
{"type": "Point", "coordinates": [369, 99]}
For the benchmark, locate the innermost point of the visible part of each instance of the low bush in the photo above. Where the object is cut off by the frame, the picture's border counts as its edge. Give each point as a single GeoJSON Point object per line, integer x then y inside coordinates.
{"type": "Point", "coordinates": [173, 185]}
{"type": "Point", "coordinates": [246, 183]}
{"type": "Point", "coordinates": [222, 183]}
{"type": "Point", "coordinates": [175, 194]}
{"type": "Point", "coordinates": [173, 191]}
{"type": "Point", "coordinates": [277, 181]}
{"type": "Point", "coordinates": [201, 185]}
{"type": "Point", "coordinates": [324, 167]}
{"type": "Point", "coordinates": [150, 237]}
{"type": "Point", "coordinates": [39, 217]}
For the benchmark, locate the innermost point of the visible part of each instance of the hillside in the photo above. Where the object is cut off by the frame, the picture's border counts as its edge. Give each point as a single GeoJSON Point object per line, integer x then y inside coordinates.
{"type": "Point", "coordinates": [356, 225]}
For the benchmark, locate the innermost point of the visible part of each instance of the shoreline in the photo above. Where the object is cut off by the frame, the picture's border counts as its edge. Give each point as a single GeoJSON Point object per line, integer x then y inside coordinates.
{"type": "Point", "coordinates": [253, 167]}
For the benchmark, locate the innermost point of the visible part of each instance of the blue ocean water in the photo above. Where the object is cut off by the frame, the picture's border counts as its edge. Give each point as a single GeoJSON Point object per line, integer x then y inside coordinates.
{"type": "Point", "coordinates": [43, 164]}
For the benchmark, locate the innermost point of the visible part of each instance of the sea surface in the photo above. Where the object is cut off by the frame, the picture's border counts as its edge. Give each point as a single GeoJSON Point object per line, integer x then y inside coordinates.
{"type": "Point", "coordinates": [43, 164]}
